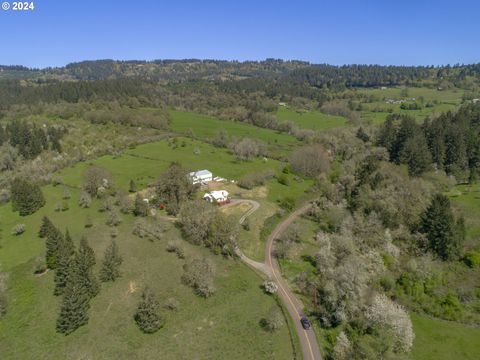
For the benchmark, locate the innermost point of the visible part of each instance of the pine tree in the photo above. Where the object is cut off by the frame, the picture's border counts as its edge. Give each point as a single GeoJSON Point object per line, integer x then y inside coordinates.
{"type": "Point", "coordinates": [443, 233]}
{"type": "Point", "coordinates": [111, 263]}
{"type": "Point", "coordinates": [416, 155]}
{"type": "Point", "coordinates": [84, 261]}
{"type": "Point", "coordinates": [54, 238]}
{"type": "Point", "coordinates": [46, 227]}
{"type": "Point", "coordinates": [147, 316]}
{"type": "Point", "coordinates": [133, 187]}
{"type": "Point", "coordinates": [68, 243]}
{"type": "Point", "coordinates": [27, 197]}
{"type": "Point", "coordinates": [63, 264]}
{"type": "Point", "coordinates": [75, 303]}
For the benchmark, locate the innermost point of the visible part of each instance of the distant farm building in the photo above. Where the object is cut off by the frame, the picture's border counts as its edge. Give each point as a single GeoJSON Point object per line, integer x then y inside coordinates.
{"type": "Point", "coordinates": [201, 176]}
{"type": "Point", "coordinates": [217, 196]}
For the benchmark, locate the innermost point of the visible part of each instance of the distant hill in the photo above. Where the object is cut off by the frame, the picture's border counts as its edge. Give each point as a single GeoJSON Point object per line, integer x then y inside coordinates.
{"type": "Point", "coordinates": [296, 72]}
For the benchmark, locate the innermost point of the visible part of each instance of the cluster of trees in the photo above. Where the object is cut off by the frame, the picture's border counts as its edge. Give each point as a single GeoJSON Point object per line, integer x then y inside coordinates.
{"type": "Point", "coordinates": [74, 277]}
{"type": "Point", "coordinates": [450, 141]}
{"type": "Point", "coordinates": [203, 224]}
{"type": "Point", "coordinates": [29, 139]}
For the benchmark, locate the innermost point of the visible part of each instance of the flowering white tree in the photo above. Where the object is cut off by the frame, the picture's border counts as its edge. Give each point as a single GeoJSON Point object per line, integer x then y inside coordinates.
{"type": "Point", "coordinates": [270, 287]}
{"type": "Point", "coordinates": [343, 347]}
{"type": "Point", "coordinates": [385, 313]}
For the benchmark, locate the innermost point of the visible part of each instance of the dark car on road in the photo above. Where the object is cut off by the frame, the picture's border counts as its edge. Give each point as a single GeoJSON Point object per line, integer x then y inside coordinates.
{"type": "Point", "coordinates": [305, 323]}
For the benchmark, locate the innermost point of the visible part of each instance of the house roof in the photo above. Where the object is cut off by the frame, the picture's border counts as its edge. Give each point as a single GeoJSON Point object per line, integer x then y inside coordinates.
{"type": "Point", "coordinates": [201, 173]}
{"type": "Point", "coordinates": [217, 194]}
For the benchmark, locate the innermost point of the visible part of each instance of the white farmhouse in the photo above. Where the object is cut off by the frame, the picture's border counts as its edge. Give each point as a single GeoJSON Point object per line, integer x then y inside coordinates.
{"type": "Point", "coordinates": [217, 196]}
{"type": "Point", "coordinates": [201, 176]}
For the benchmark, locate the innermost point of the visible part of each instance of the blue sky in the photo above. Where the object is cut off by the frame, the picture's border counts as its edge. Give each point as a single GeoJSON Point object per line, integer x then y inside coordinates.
{"type": "Point", "coordinates": [400, 32]}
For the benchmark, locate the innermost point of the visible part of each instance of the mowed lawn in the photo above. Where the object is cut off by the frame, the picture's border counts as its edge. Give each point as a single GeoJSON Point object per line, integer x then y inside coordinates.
{"type": "Point", "coordinates": [225, 326]}
{"type": "Point", "coordinates": [442, 340]}
{"type": "Point", "coordinates": [314, 120]}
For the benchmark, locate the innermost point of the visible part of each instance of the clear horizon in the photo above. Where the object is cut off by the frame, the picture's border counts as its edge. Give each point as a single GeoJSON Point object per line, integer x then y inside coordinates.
{"type": "Point", "coordinates": [417, 33]}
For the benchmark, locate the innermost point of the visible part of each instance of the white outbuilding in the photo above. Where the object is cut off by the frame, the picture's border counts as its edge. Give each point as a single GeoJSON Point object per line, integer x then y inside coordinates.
{"type": "Point", "coordinates": [217, 196]}
{"type": "Point", "coordinates": [201, 176]}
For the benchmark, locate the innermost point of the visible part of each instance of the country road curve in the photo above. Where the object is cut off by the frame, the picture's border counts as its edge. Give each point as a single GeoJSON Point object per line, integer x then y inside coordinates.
{"type": "Point", "coordinates": [308, 340]}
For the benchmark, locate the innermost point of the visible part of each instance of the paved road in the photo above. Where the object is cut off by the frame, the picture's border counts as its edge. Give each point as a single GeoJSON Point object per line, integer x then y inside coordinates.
{"type": "Point", "coordinates": [307, 338]}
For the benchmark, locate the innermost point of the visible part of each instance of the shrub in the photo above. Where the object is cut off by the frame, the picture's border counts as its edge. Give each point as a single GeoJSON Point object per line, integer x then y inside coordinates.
{"type": "Point", "coordinates": [274, 320]}
{"type": "Point", "coordinates": [287, 203]}
{"type": "Point", "coordinates": [174, 246]}
{"type": "Point", "coordinates": [149, 230]}
{"type": "Point", "coordinates": [270, 287]}
{"type": "Point", "coordinates": [199, 274]}
{"type": "Point", "coordinates": [252, 180]}
{"type": "Point", "coordinates": [283, 179]}
{"type": "Point", "coordinates": [148, 316]}
{"type": "Point", "coordinates": [171, 304]}
{"type": "Point", "coordinates": [472, 258]}
{"type": "Point", "coordinates": [85, 200]}
{"type": "Point", "coordinates": [18, 229]}
{"type": "Point", "coordinates": [113, 219]}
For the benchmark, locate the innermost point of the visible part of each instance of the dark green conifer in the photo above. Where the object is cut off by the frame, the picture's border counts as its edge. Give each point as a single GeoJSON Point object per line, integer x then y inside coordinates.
{"type": "Point", "coordinates": [111, 263]}
{"type": "Point", "coordinates": [84, 261]}
{"type": "Point", "coordinates": [54, 238]}
{"type": "Point", "coordinates": [444, 234]}
{"type": "Point", "coordinates": [75, 303]}
{"type": "Point", "coordinates": [147, 316]}
{"type": "Point", "coordinates": [46, 227]}
{"type": "Point", "coordinates": [63, 265]}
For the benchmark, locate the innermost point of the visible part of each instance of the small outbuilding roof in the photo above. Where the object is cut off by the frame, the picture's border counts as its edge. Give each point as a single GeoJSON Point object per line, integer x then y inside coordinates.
{"type": "Point", "coordinates": [201, 173]}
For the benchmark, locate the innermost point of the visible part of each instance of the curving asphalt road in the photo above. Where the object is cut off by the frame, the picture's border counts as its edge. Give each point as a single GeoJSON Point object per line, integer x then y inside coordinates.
{"type": "Point", "coordinates": [308, 341]}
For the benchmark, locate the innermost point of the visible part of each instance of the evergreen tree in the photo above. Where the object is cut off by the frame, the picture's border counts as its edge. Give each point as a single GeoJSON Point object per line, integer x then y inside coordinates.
{"type": "Point", "coordinates": [46, 227]}
{"type": "Point", "coordinates": [444, 235]}
{"type": "Point", "coordinates": [52, 243]}
{"type": "Point", "coordinates": [140, 207]}
{"type": "Point", "coordinates": [27, 197]}
{"type": "Point", "coordinates": [147, 316]}
{"type": "Point", "coordinates": [415, 155]}
{"type": "Point", "coordinates": [68, 242]}
{"type": "Point", "coordinates": [132, 187]}
{"type": "Point", "coordinates": [75, 302]}
{"type": "Point", "coordinates": [63, 265]}
{"type": "Point", "coordinates": [84, 261]}
{"type": "Point", "coordinates": [111, 263]}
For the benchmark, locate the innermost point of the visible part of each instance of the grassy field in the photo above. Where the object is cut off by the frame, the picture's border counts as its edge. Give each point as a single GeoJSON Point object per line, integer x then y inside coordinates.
{"type": "Point", "coordinates": [314, 120]}
{"type": "Point", "coordinates": [375, 112]}
{"type": "Point", "coordinates": [224, 326]}
{"type": "Point", "coordinates": [207, 127]}
{"type": "Point", "coordinates": [440, 340]}
{"type": "Point", "coordinates": [146, 162]}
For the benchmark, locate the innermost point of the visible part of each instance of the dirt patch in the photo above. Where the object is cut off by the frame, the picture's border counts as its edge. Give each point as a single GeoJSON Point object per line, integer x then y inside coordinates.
{"type": "Point", "coordinates": [132, 287]}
